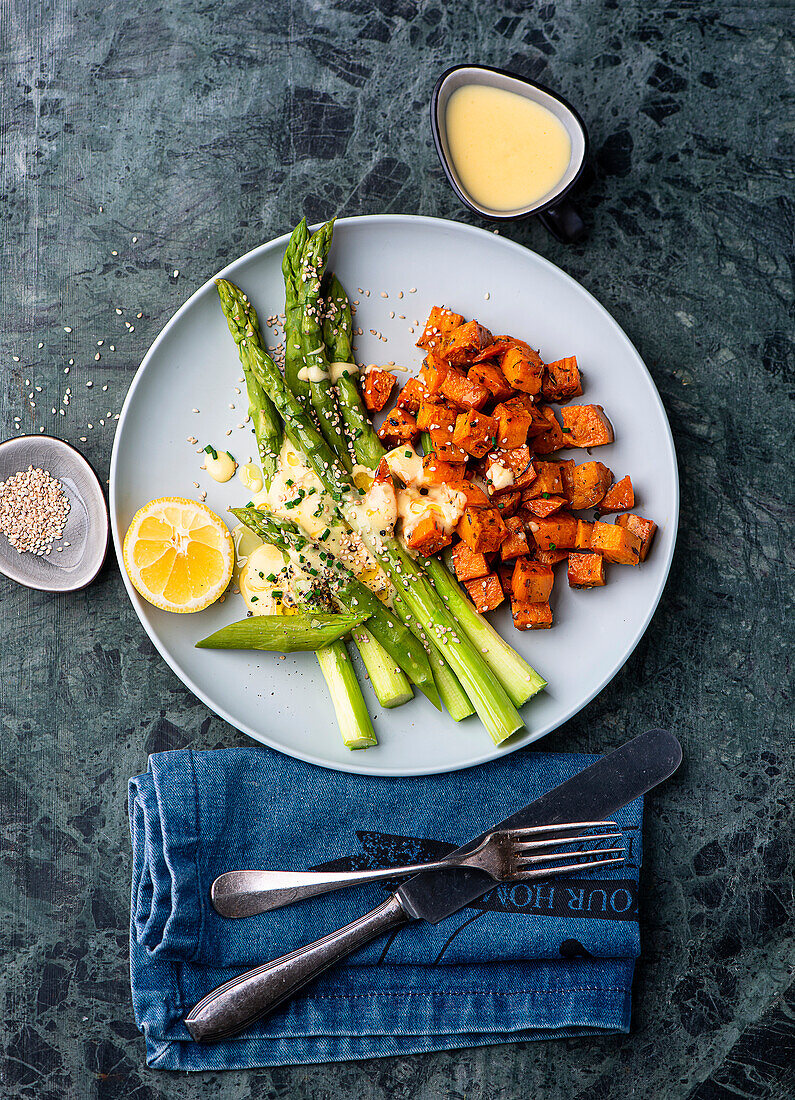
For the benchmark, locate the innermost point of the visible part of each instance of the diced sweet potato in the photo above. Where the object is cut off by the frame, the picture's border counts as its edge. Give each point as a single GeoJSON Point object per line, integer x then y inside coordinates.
{"type": "Point", "coordinates": [558, 532]}
{"type": "Point", "coordinates": [550, 557]}
{"type": "Point", "coordinates": [531, 616]}
{"type": "Point", "coordinates": [498, 348]}
{"type": "Point", "coordinates": [587, 483]}
{"type": "Point", "coordinates": [553, 438]}
{"type": "Point", "coordinates": [548, 479]}
{"type": "Point", "coordinates": [644, 529]}
{"type": "Point", "coordinates": [433, 373]}
{"type": "Point", "coordinates": [516, 543]}
{"type": "Point", "coordinates": [520, 370]}
{"type": "Point", "coordinates": [586, 570]}
{"type": "Point", "coordinates": [399, 427]}
{"type": "Point", "coordinates": [437, 472]}
{"type": "Point", "coordinates": [490, 376]}
{"type": "Point", "coordinates": [445, 450]}
{"type": "Point", "coordinates": [482, 529]}
{"type": "Point", "coordinates": [546, 504]}
{"type": "Point", "coordinates": [475, 432]}
{"type": "Point", "coordinates": [540, 422]}
{"type": "Point", "coordinates": [586, 426]}
{"type": "Point", "coordinates": [441, 321]}
{"type": "Point", "coordinates": [377, 388]}
{"type": "Point", "coordinates": [520, 462]}
{"type": "Point", "coordinates": [468, 564]}
{"type": "Point", "coordinates": [427, 537]}
{"type": "Point", "coordinates": [504, 570]}
{"type": "Point", "coordinates": [463, 343]}
{"type": "Point", "coordinates": [411, 396]}
{"type": "Point", "coordinates": [435, 414]}
{"type": "Point", "coordinates": [532, 582]}
{"type": "Point", "coordinates": [513, 425]}
{"type": "Point", "coordinates": [582, 540]}
{"type": "Point", "coordinates": [476, 497]}
{"type": "Point", "coordinates": [486, 592]}
{"type": "Point", "coordinates": [461, 390]}
{"type": "Point", "coordinates": [617, 543]}
{"type": "Point", "coordinates": [618, 497]}
{"type": "Point", "coordinates": [507, 502]}
{"type": "Point", "coordinates": [561, 380]}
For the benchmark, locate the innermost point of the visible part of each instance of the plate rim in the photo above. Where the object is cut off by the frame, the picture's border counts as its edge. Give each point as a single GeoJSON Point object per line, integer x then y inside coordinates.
{"type": "Point", "coordinates": [492, 752]}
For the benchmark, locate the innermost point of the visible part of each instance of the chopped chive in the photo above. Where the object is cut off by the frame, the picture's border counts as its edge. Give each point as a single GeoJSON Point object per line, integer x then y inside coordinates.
{"type": "Point", "coordinates": [210, 450]}
{"type": "Point", "coordinates": [232, 456]}
{"type": "Point", "coordinates": [545, 496]}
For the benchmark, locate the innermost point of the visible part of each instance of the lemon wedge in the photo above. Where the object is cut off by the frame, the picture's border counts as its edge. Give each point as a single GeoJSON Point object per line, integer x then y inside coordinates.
{"type": "Point", "coordinates": [178, 554]}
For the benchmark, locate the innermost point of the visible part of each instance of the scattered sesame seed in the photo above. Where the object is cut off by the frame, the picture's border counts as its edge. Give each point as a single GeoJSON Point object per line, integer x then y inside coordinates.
{"type": "Point", "coordinates": [118, 311]}
{"type": "Point", "coordinates": [97, 357]}
{"type": "Point", "coordinates": [89, 385]}
{"type": "Point", "coordinates": [66, 328]}
{"type": "Point", "coordinates": [112, 347]}
{"type": "Point", "coordinates": [100, 343]}
{"type": "Point", "coordinates": [176, 272]}
{"type": "Point", "coordinates": [135, 240]}
{"type": "Point", "coordinates": [139, 315]}
{"type": "Point", "coordinates": [15, 358]}
{"type": "Point", "coordinates": [114, 252]}
{"type": "Point", "coordinates": [83, 438]}
{"type": "Point", "coordinates": [66, 370]}
{"type": "Point", "coordinates": [41, 345]}
{"type": "Point", "coordinates": [194, 410]}
{"type": "Point", "coordinates": [413, 290]}
{"type": "Point", "coordinates": [104, 388]}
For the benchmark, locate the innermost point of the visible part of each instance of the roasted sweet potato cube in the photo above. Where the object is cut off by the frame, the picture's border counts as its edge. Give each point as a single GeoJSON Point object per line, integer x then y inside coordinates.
{"type": "Point", "coordinates": [557, 532]}
{"type": "Point", "coordinates": [520, 370]}
{"type": "Point", "coordinates": [618, 497]}
{"type": "Point", "coordinates": [532, 582]}
{"type": "Point", "coordinates": [587, 483]}
{"type": "Point", "coordinates": [582, 540]}
{"type": "Point", "coordinates": [441, 321]}
{"type": "Point", "coordinates": [550, 557]}
{"type": "Point", "coordinates": [475, 432]}
{"type": "Point", "coordinates": [617, 543]}
{"type": "Point", "coordinates": [548, 479]}
{"type": "Point", "coordinates": [399, 427]}
{"type": "Point", "coordinates": [490, 376]}
{"type": "Point", "coordinates": [498, 348]}
{"type": "Point", "coordinates": [411, 396]}
{"type": "Point", "coordinates": [437, 472]}
{"type": "Point", "coordinates": [482, 529]}
{"type": "Point", "coordinates": [644, 529]}
{"type": "Point", "coordinates": [433, 373]}
{"type": "Point", "coordinates": [377, 388]}
{"type": "Point", "coordinates": [519, 460]}
{"type": "Point", "coordinates": [468, 564]}
{"type": "Point", "coordinates": [540, 422]}
{"type": "Point", "coordinates": [514, 424]}
{"type": "Point", "coordinates": [463, 343]}
{"type": "Point", "coordinates": [428, 537]}
{"type": "Point", "coordinates": [553, 438]}
{"type": "Point", "coordinates": [546, 505]}
{"type": "Point", "coordinates": [461, 390]}
{"type": "Point", "coordinates": [586, 426]}
{"type": "Point", "coordinates": [586, 570]}
{"type": "Point", "coordinates": [507, 502]}
{"type": "Point", "coordinates": [531, 616]}
{"type": "Point", "coordinates": [486, 592]}
{"type": "Point", "coordinates": [435, 414]}
{"type": "Point", "coordinates": [561, 380]}
{"type": "Point", "coordinates": [475, 496]}
{"type": "Point", "coordinates": [516, 543]}
{"type": "Point", "coordinates": [445, 450]}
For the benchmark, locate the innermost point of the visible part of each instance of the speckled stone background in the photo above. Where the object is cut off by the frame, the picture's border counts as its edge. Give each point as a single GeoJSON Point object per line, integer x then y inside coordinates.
{"type": "Point", "coordinates": [146, 144]}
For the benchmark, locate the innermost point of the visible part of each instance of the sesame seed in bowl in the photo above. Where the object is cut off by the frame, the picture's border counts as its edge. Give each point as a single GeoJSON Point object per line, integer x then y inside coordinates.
{"type": "Point", "coordinates": [53, 515]}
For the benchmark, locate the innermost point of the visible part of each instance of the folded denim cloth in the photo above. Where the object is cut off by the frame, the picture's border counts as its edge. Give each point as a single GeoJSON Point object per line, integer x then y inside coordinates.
{"type": "Point", "coordinates": [526, 961]}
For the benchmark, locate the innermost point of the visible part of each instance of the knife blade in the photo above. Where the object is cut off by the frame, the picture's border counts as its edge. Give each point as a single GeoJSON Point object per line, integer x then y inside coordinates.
{"type": "Point", "coordinates": [593, 794]}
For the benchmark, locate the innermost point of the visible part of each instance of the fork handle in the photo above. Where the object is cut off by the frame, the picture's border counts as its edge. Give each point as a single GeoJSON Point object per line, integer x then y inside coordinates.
{"type": "Point", "coordinates": [244, 893]}
{"type": "Point", "coordinates": [236, 1004]}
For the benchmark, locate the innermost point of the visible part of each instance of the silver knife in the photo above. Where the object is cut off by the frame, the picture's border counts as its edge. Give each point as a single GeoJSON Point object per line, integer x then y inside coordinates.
{"type": "Point", "coordinates": [592, 795]}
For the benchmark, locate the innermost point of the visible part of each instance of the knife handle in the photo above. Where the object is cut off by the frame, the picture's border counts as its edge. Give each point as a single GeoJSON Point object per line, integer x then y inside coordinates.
{"type": "Point", "coordinates": [236, 1004]}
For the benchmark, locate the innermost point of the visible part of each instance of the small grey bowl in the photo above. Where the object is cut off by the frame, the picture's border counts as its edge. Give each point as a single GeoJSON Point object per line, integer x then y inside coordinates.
{"type": "Point", "coordinates": [86, 528]}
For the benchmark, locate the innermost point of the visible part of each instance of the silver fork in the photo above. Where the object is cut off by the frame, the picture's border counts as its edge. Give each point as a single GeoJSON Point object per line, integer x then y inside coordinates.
{"type": "Point", "coordinates": [505, 855]}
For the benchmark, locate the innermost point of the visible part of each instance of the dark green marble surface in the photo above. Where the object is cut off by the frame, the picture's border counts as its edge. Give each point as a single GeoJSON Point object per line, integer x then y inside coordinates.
{"type": "Point", "coordinates": [204, 128]}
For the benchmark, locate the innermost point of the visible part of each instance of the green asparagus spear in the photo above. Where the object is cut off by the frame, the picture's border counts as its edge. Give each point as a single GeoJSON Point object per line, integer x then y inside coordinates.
{"type": "Point", "coordinates": [313, 350]}
{"type": "Point", "coordinates": [338, 337]}
{"type": "Point", "coordinates": [283, 633]}
{"type": "Point", "coordinates": [293, 357]}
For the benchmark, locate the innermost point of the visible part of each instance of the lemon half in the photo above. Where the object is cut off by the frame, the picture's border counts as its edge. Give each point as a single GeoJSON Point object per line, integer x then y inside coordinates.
{"type": "Point", "coordinates": [178, 554]}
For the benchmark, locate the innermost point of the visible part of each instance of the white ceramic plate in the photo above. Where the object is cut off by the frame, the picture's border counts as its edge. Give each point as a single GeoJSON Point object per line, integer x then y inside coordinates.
{"type": "Point", "coordinates": [193, 363]}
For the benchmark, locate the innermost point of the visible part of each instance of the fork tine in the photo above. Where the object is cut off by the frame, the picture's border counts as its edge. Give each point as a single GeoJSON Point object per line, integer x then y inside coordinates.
{"type": "Point", "coordinates": [565, 826]}
{"type": "Point", "coordinates": [573, 853]}
{"type": "Point", "coordinates": [545, 872]}
{"type": "Point", "coordinates": [534, 845]}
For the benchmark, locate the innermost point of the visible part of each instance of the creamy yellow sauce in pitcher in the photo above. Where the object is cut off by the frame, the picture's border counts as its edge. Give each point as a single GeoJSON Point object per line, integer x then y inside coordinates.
{"type": "Point", "coordinates": [507, 150]}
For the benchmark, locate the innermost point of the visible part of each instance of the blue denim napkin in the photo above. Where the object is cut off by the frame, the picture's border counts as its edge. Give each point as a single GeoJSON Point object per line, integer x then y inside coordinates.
{"type": "Point", "coordinates": [524, 962]}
